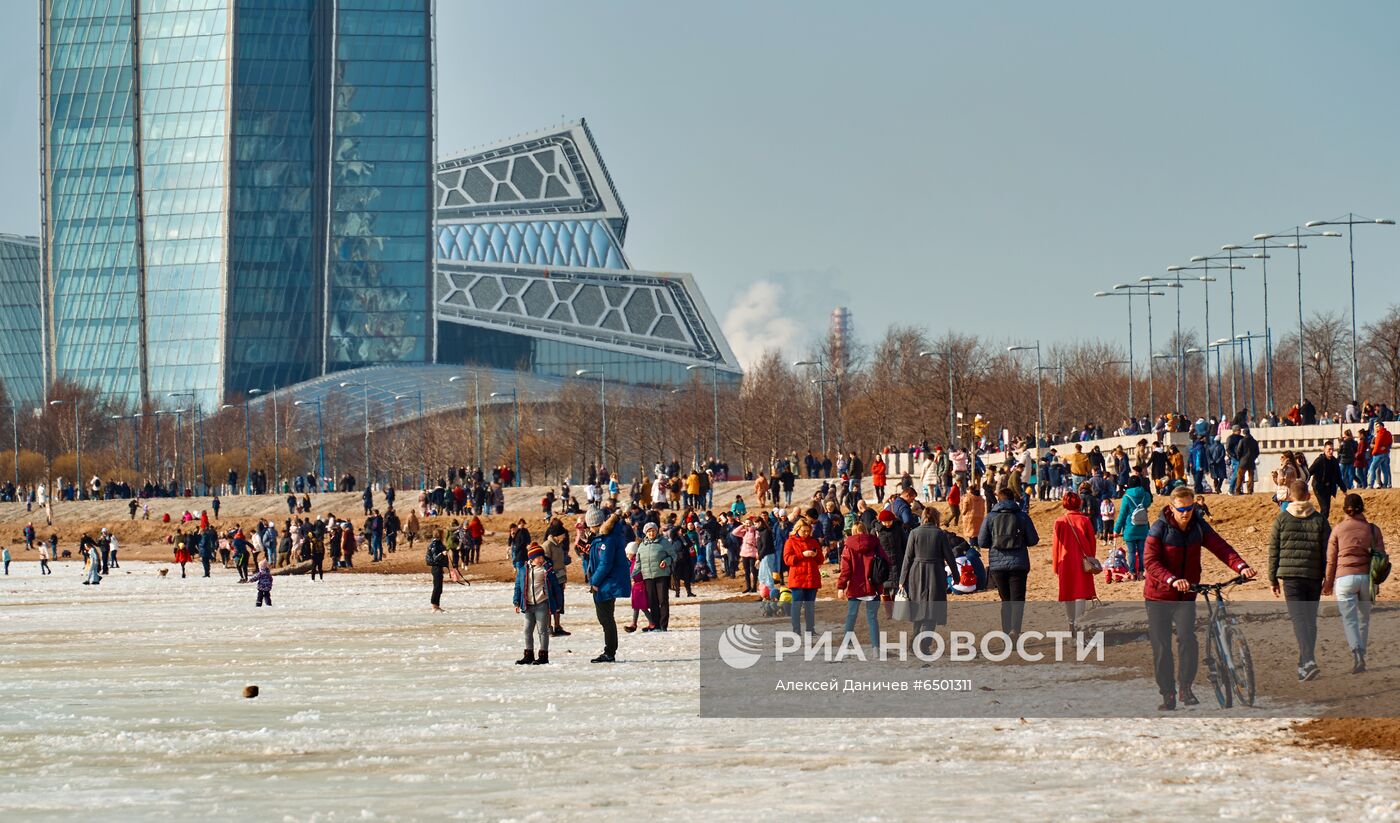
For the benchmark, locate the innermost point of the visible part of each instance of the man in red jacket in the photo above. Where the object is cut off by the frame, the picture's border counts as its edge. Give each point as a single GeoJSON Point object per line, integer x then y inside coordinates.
{"type": "Point", "coordinates": [1380, 459]}
{"type": "Point", "coordinates": [1173, 565]}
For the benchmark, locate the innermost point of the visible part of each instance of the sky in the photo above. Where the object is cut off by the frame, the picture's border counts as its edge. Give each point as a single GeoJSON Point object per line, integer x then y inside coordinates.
{"type": "Point", "coordinates": [973, 167]}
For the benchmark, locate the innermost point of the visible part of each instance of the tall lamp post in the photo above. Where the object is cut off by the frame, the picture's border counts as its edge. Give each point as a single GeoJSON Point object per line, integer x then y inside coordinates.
{"type": "Point", "coordinates": [1039, 405]}
{"type": "Point", "coordinates": [77, 446]}
{"type": "Point", "coordinates": [476, 397]}
{"type": "Point", "coordinates": [514, 395]}
{"type": "Point", "coordinates": [1351, 221]}
{"type": "Point", "coordinates": [1246, 340]}
{"type": "Point", "coordinates": [821, 397]}
{"type": "Point", "coordinates": [320, 438]}
{"type": "Point", "coordinates": [1297, 235]}
{"type": "Point", "coordinates": [196, 448]}
{"type": "Point", "coordinates": [14, 421]}
{"type": "Point", "coordinates": [369, 482]}
{"type": "Point", "coordinates": [948, 367]}
{"type": "Point", "coordinates": [423, 464]}
{"type": "Point", "coordinates": [602, 411]}
{"type": "Point", "coordinates": [1206, 264]}
{"type": "Point", "coordinates": [247, 443]}
{"type": "Point", "coordinates": [714, 396]}
{"type": "Point", "coordinates": [1148, 293]}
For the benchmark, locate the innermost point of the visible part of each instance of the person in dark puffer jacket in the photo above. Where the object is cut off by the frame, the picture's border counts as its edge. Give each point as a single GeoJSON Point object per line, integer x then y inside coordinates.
{"type": "Point", "coordinates": [1297, 565]}
{"type": "Point", "coordinates": [1008, 533]}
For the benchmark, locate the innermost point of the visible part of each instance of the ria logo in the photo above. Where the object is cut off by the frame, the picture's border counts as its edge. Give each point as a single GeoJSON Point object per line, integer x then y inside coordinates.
{"type": "Point", "coordinates": [739, 646]}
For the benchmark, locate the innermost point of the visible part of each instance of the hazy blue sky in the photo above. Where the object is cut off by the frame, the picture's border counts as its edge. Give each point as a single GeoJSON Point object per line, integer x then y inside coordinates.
{"type": "Point", "coordinates": [976, 166]}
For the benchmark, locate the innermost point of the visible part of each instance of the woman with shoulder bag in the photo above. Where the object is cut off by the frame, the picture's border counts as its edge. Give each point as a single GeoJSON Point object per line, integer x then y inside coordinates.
{"type": "Point", "coordinates": [1349, 552]}
{"type": "Point", "coordinates": [1075, 563]}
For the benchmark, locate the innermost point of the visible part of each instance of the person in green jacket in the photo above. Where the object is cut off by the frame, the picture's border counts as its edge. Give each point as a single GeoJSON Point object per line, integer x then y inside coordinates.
{"type": "Point", "coordinates": [1297, 565]}
{"type": "Point", "coordinates": [656, 557]}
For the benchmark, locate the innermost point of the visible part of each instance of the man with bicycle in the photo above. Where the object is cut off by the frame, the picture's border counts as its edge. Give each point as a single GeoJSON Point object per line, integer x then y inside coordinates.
{"type": "Point", "coordinates": [1173, 565]}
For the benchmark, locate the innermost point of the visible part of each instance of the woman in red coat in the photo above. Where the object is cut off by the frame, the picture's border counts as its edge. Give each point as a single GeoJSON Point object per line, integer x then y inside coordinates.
{"type": "Point", "coordinates": [854, 581]}
{"type": "Point", "coordinates": [803, 557]}
{"type": "Point", "coordinates": [1074, 540]}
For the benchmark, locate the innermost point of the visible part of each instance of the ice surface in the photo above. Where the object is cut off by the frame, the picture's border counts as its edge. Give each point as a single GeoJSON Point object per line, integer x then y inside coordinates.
{"type": "Point", "coordinates": [123, 702]}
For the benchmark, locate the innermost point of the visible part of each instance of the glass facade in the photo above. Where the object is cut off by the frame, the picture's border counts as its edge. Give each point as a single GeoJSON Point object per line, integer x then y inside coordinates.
{"type": "Point", "coordinates": [586, 243]}
{"type": "Point", "coordinates": [90, 215]}
{"type": "Point", "coordinates": [261, 217]}
{"type": "Point", "coordinates": [21, 330]}
{"type": "Point", "coordinates": [277, 242]}
{"type": "Point", "coordinates": [184, 82]}
{"type": "Point", "coordinates": [492, 348]}
{"type": "Point", "coordinates": [381, 185]}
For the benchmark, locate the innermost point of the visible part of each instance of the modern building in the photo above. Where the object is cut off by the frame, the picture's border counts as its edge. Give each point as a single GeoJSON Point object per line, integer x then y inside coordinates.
{"type": "Point", "coordinates": [21, 331]}
{"type": "Point", "coordinates": [237, 194]}
{"type": "Point", "coordinates": [531, 272]}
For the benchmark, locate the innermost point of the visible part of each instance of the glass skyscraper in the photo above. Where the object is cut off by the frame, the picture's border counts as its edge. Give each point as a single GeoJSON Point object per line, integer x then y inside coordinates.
{"type": "Point", "coordinates": [237, 193]}
{"type": "Point", "coordinates": [21, 336]}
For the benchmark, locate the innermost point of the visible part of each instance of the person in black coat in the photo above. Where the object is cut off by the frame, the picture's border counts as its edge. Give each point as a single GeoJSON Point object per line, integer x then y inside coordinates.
{"type": "Point", "coordinates": [923, 576]}
{"type": "Point", "coordinates": [1326, 475]}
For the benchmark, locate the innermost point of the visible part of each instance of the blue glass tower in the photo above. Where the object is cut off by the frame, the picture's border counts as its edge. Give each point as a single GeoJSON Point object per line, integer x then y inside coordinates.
{"type": "Point", "coordinates": [21, 337]}
{"type": "Point", "coordinates": [237, 193]}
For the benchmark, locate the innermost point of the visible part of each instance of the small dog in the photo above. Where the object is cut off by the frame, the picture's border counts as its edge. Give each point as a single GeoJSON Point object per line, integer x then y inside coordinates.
{"type": "Point", "coordinates": [164, 572]}
{"type": "Point", "coordinates": [65, 555]}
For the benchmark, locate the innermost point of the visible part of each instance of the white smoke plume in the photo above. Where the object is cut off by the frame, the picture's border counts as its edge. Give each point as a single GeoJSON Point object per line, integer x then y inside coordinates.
{"type": "Point", "coordinates": [760, 319]}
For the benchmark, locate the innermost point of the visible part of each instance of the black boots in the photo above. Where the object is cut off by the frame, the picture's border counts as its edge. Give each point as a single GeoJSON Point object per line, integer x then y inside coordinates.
{"type": "Point", "coordinates": [527, 659]}
{"type": "Point", "coordinates": [542, 659]}
{"type": "Point", "coordinates": [604, 658]}
{"type": "Point", "coordinates": [1168, 703]}
{"type": "Point", "coordinates": [1358, 662]}
{"type": "Point", "coordinates": [1188, 697]}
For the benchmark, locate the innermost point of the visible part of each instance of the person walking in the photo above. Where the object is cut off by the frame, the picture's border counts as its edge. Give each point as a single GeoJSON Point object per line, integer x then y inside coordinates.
{"type": "Point", "coordinates": [45, 554]}
{"type": "Point", "coordinates": [1325, 473]}
{"type": "Point", "coordinates": [802, 556]}
{"type": "Point", "coordinates": [1297, 566]}
{"type": "Point", "coordinates": [640, 604]}
{"type": "Point", "coordinates": [5, 558]}
{"type": "Point", "coordinates": [208, 544]}
{"type": "Point", "coordinates": [656, 556]}
{"type": "Point", "coordinates": [1008, 534]}
{"type": "Point", "coordinates": [605, 568]}
{"type": "Point", "coordinates": [537, 596]}
{"type": "Point", "coordinates": [1134, 518]}
{"type": "Point", "coordinates": [318, 551]}
{"type": "Point", "coordinates": [263, 579]}
{"type": "Point", "coordinates": [181, 552]}
{"type": "Point", "coordinates": [923, 576]}
{"type": "Point", "coordinates": [1349, 574]}
{"type": "Point", "coordinates": [437, 560]}
{"type": "Point", "coordinates": [974, 511]}
{"type": "Point", "coordinates": [1173, 565]}
{"type": "Point", "coordinates": [1073, 543]}
{"type": "Point", "coordinates": [856, 583]}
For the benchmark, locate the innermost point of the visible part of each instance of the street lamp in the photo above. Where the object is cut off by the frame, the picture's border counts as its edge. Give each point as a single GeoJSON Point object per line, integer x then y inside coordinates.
{"type": "Point", "coordinates": [1351, 221]}
{"type": "Point", "coordinates": [1039, 405]}
{"type": "Point", "coordinates": [948, 367]}
{"type": "Point", "coordinates": [476, 395]}
{"type": "Point", "coordinates": [602, 411]}
{"type": "Point", "coordinates": [247, 443]}
{"type": "Point", "coordinates": [1247, 340]}
{"type": "Point", "coordinates": [714, 395]}
{"type": "Point", "coordinates": [369, 483]}
{"type": "Point", "coordinates": [196, 451]}
{"type": "Point", "coordinates": [1129, 291]}
{"type": "Point", "coordinates": [1172, 283]}
{"type": "Point", "coordinates": [514, 395]}
{"type": "Point", "coordinates": [1206, 265]}
{"type": "Point", "coordinates": [423, 478]}
{"type": "Point", "coordinates": [821, 397]}
{"type": "Point", "coordinates": [77, 446]}
{"type": "Point", "coordinates": [320, 438]}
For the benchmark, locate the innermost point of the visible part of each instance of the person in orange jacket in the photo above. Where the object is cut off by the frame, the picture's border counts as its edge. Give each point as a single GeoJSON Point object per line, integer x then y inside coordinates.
{"type": "Point", "coordinates": [803, 557]}
{"type": "Point", "coordinates": [878, 472]}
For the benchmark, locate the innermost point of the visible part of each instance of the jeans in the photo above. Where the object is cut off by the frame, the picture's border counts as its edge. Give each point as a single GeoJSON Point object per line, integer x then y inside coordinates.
{"type": "Point", "coordinates": [205, 558]}
{"type": "Point", "coordinates": [1135, 550]}
{"type": "Point", "coordinates": [1165, 618]}
{"type": "Point", "coordinates": [1011, 588]}
{"type": "Point", "coordinates": [872, 618]}
{"type": "Point", "coordinates": [536, 623]}
{"type": "Point", "coordinates": [1198, 477]}
{"type": "Point", "coordinates": [608, 620]}
{"type": "Point", "coordinates": [1234, 477]}
{"type": "Point", "coordinates": [1302, 594]}
{"type": "Point", "coordinates": [1348, 476]}
{"type": "Point", "coordinates": [1353, 593]}
{"type": "Point", "coordinates": [804, 601]}
{"type": "Point", "coordinates": [1379, 475]}
{"type": "Point", "coordinates": [750, 574]}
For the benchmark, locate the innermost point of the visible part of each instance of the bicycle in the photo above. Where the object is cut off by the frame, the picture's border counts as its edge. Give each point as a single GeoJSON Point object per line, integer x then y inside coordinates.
{"type": "Point", "coordinates": [1228, 663]}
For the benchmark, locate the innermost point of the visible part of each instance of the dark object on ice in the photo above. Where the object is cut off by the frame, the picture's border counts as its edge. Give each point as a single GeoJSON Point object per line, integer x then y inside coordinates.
{"type": "Point", "coordinates": [250, 691]}
{"type": "Point", "coordinates": [302, 567]}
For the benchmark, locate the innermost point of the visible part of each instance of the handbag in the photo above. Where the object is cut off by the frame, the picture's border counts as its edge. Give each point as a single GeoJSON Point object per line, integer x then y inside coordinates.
{"type": "Point", "coordinates": [1091, 564]}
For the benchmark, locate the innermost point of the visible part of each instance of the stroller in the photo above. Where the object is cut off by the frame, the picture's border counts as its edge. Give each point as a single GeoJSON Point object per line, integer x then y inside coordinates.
{"type": "Point", "coordinates": [776, 595]}
{"type": "Point", "coordinates": [1115, 567]}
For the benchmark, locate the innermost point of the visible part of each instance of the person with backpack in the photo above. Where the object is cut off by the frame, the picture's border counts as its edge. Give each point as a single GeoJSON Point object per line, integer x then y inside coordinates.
{"type": "Point", "coordinates": [1356, 565]}
{"type": "Point", "coordinates": [1297, 566]}
{"type": "Point", "coordinates": [1173, 565]}
{"type": "Point", "coordinates": [437, 558]}
{"type": "Point", "coordinates": [1008, 534]}
{"type": "Point", "coordinates": [923, 575]}
{"type": "Point", "coordinates": [865, 568]}
{"type": "Point", "coordinates": [1134, 517]}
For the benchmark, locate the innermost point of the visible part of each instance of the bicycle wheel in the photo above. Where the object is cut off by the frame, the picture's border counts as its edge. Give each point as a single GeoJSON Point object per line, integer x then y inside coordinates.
{"type": "Point", "coordinates": [1241, 666]}
{"type": "Point", "coordinates": [1218, 666]}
